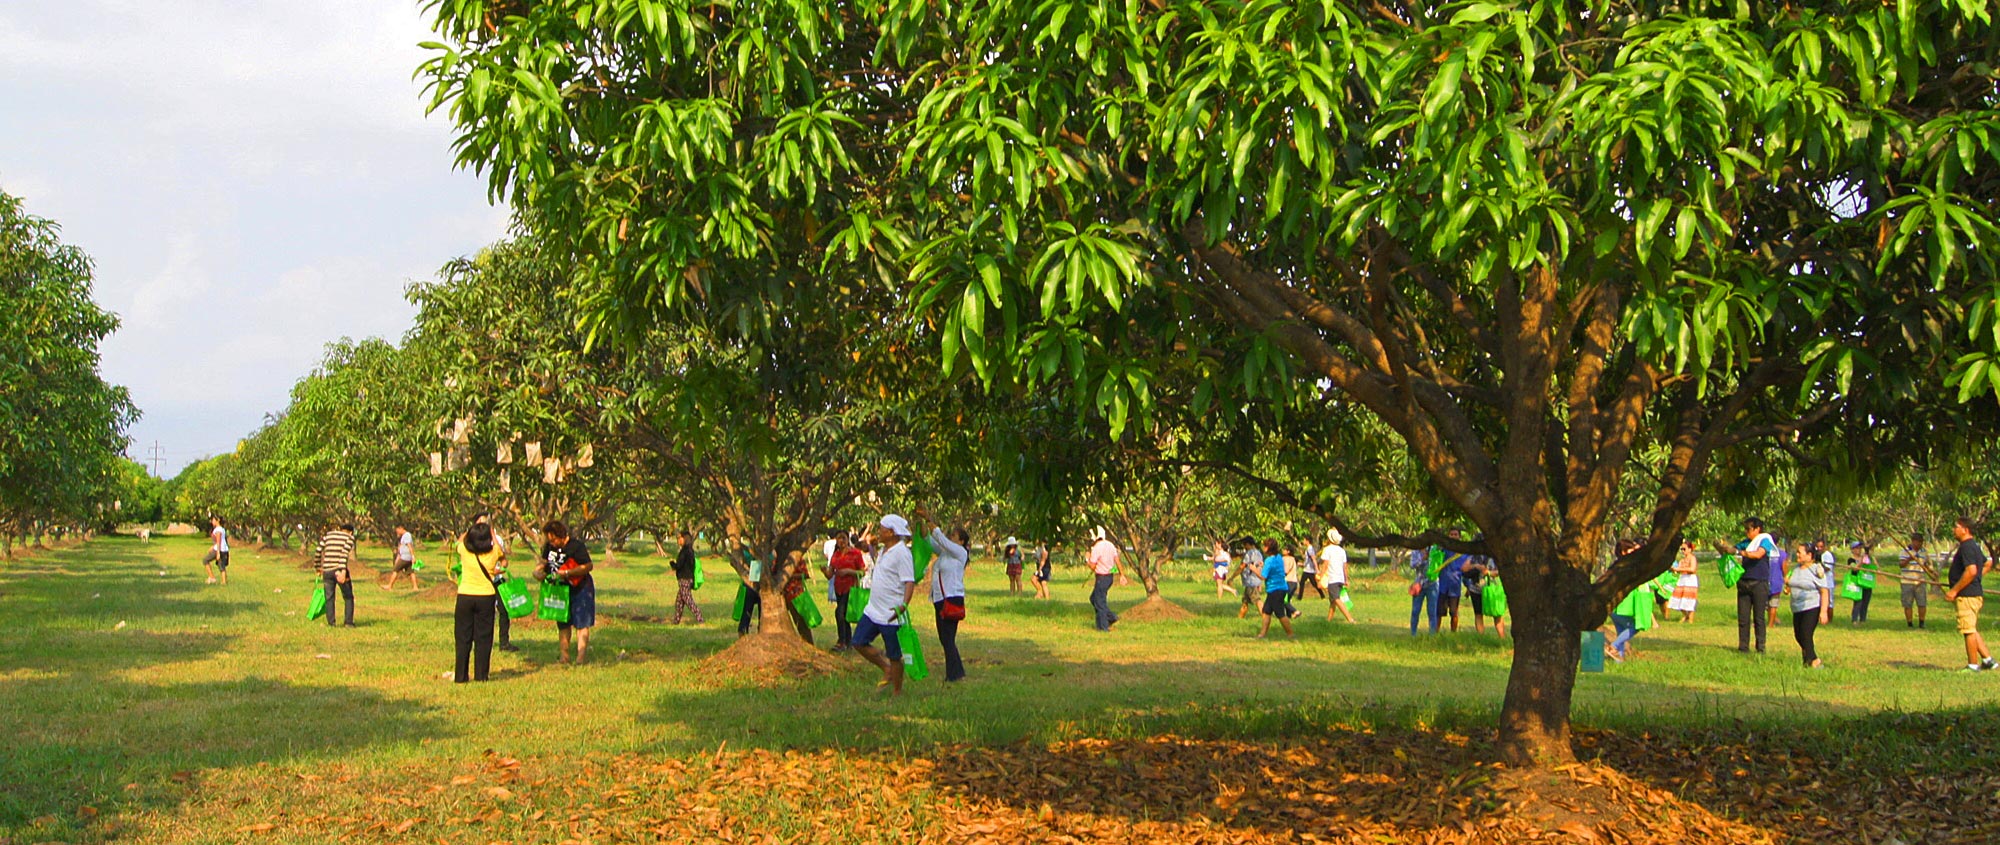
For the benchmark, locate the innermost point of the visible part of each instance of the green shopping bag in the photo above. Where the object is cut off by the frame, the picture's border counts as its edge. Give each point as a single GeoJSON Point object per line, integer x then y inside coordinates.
{"type": "Point", "coordinates": [921, 553]}
{"type": "Point", "coordinates": [1866, 578]}
{"type": "Point", "coordinates": [699, 578]}
{"type": "Point", "coordinates": [914, 667]}
{"type": "Point", "coordinates": [317, 608]}
{"type": "Point", "coordinates": [742, 597]}
{"type": "Point", "coordinates": [857, 601]}
{"type": "Point", "coordinates": [417, 564]}
{"type": "Point", "coordinates": [808, 610]}
{"type": "Point", "coordinates": [1732, 571]}
{"type": "Point", "coordinates": [1850, 589]}
{"type": "Point", "coordinates": [1493, 598]}
{"type": "Point", "coordinates": [555, 602]}
{"type": "Point", "coordinates": [1437, 562]}
{"type": "Point", "coordinates": [514, 597]}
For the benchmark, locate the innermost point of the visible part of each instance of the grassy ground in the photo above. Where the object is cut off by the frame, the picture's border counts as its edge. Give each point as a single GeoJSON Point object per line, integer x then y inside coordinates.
{"type": "Point", "coordinates": [139, 702]}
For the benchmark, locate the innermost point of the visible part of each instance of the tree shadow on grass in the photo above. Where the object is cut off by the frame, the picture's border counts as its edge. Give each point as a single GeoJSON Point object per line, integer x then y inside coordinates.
{"type": "Point", "coordinates": [125, 586]}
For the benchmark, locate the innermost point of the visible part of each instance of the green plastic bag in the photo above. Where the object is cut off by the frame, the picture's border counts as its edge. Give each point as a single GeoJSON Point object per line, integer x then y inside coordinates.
{"type": "Point", "coordinates": [555, 602]}
{"type": "Point", "coordinates": [514, 597]}
{"type": "Point", "coordinates": [914, 666]}
{"type": "Point", "coordinates": [1850, 589]}
{"type": "Point", "coordinates": [1492, 598]}
{"type": "Point", "coordinates": [1866, 578]}
{"type": "Point", "coordinates": [317, 608]}
{"type": "Point", "coordinates": [742, 598]}
{"type": "Point", "coordinates": [1732, 571]}
{"type": "Point", "coordinates": [857, 601]}
{"type": "Point", "coordinates": [808, 610]}
{"type": "Point", "coordinates": [921, 553]}
{"type": "Point", "coordinates": [417, 564]}
{"type": "Point", "coordinates": [1437, 562]}
{"type": "Point", "coordinates": [699, 578]}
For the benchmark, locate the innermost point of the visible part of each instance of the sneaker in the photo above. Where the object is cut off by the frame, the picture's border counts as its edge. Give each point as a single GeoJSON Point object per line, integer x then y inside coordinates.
{"type": "Point", "coordinates": [211, 580]}
{"type": "Point", "coordinates": [1971, 667]}
{"type": "Point", "coordinates": [1989, 664]}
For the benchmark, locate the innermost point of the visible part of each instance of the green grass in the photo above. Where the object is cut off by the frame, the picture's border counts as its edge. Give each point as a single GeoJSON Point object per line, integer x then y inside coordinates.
{"type": "Point", "coordinates": [231, 685]}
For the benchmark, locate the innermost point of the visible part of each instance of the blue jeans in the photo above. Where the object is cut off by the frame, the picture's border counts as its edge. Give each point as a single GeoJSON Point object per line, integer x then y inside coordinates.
{"type": "Point", "coordinates": [1100, 600]}
{"type": "Point", "coordinates": [1426, 601]}
{"type": "Point", "coordinates": [1626, 627]}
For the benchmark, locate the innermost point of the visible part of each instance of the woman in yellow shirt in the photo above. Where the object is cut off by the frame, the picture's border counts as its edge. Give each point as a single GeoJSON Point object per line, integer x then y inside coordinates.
{"type": "Point", "coordinates": [480, 561]}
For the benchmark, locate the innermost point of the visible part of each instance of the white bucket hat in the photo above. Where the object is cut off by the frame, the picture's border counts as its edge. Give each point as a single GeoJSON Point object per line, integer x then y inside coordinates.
{"type": "Point", "coordinates": [897, 524]}
{"type": "Point", "coordinates": [1333, 536]}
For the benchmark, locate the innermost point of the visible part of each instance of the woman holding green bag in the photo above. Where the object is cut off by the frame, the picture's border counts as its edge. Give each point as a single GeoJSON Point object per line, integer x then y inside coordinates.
{"type": "Point", "coordinates": [892, 582]}
{"type": "Point", "coordinates": [478, 602]}
{"type": "Point", "coordinates": [1860, 568]}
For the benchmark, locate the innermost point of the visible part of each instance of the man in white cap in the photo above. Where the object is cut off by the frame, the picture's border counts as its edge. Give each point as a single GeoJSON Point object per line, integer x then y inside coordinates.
{"type": "Point", "coordinates": [891, 583]}
{"type": "Point", "coordinates": [1103, 563]}
{"type": "Point", "coordinates": [1333, 569]}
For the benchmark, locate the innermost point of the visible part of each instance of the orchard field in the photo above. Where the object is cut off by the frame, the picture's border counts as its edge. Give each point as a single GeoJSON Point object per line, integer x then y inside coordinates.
{"type": "Point", "coordinates": [143, 705]}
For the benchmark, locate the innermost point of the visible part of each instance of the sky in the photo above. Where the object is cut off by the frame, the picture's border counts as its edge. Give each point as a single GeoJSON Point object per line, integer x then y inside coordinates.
{"type": "Point", "coordinates": [253, 180]}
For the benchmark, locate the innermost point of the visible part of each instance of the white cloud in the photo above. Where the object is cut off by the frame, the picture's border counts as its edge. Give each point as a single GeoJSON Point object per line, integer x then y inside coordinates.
{"type": "Point", "coordinates": [254, 180]}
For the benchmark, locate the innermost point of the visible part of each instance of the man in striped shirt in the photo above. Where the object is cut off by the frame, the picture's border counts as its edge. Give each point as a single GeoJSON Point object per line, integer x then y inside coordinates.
{"type": "Point", "coordinates": [336, 551]}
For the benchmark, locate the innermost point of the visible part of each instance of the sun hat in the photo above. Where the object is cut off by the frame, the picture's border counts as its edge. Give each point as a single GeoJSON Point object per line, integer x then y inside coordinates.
{"type": "Point", "coordinates": [1333, 536]}
{"type": "Point", "coordinates": [897, 524]}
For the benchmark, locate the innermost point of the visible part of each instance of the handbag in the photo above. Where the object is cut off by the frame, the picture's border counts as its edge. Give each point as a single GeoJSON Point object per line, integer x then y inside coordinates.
{"type": "Point", "coordinates": [952, 609]}
{"type": "Point", "coordinates": [808, 610]}
{"type": "Point", "coordinates": [1493, 598]}
{"type": "Point", "coordinates": [914, 666]}
{"type": "Point", "coordinates": [1416, 588]}
{"type": "Point", "coordinates": [742, 596]}
{"type": "Point", "coordinates": [857, 601]}
{"type": "Point", "coordinates": [699, 578]}
{"type": "Point", "coordinates": [317, 607]}
{"type": "Point", "coordinates": [1850, 588]}
{"type": "Point", "coordinates": [555, 602]}
{"type": "Point", "coordinates": [1732, 572]}
{"type": "Point", "coordinates": [514, 597]}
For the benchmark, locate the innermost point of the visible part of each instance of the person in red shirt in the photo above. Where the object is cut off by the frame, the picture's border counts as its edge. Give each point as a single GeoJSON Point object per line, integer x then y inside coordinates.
{"type": "Point", "coordinates": [845, 569]}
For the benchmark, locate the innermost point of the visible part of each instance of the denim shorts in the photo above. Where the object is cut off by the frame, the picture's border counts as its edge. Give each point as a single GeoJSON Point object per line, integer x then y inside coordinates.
{"type": "Point", "coordinates": [582, 606]}
{"type": "Point", "coordinates": [867, 629]}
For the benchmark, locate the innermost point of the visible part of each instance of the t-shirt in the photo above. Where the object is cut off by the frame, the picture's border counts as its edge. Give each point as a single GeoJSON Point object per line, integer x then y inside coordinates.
{"type": "Point", "coordinates": [336, 550]}
{"type": "Point", "coordinates": [472, 581]}
{"type": "Point", "coordinates": [847, 565]}
{"type": "Point", "coordinates": [1104, 557]}
{"type": "Point", "coordinates": [1969, 556]}
{"type": "Point", "coordinates": [406, 547]}
{"type": "Point", "coordinates": [1311, 561]}
{"type": "Point", "coordinates": [1333, 562]}
{"type": "Point", "coordinates": [894, 569]}
{"type": "Point", "coordinates": [1473, 580]}
{"type": "Point", "coordinates": [219, 539]}
{"type": "Point", "coordinates": [572, 552]}
{"type": "Point", "coordinates": [949, 566]}
{"type": "Point", "coordinates": [1913, 567]}
{"type": "Point", "coordinates": [1759, 569]}
{"type": "Point", "coordinates": [1805, 583]}
{"type": "Point", "coordinates": [1274, 574]}
{"type": "Point", "coordinates": [684, 562]}
{"type": "Point", "coordinates": [1451, 578]}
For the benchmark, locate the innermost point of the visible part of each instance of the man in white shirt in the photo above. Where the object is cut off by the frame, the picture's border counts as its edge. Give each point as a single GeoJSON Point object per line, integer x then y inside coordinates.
{"type": "Point", "coordinates": [1333, 571]}
{"type": "Point", "coordinates": [891, 583]}
{"type": "Point", "coordinates": [406, 559]}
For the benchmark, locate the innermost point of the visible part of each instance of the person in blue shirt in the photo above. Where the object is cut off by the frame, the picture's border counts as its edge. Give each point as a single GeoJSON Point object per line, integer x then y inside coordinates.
{"type": "Point", "coordinates": [1275, 590]}
{"type": "Point", "coordinates": [1451, 588]}
{"type": "Point", "coordinates": [1423, 590]}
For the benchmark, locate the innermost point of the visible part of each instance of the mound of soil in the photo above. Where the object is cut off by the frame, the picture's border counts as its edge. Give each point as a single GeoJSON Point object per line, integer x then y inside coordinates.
{"type": "Point", "coordinates": [773, 658]}
{"type": "Point", "coordinates": [1155, 609]}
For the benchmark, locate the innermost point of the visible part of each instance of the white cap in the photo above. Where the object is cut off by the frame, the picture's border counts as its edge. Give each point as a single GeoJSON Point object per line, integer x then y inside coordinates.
{"type": "Point", "coordinates": [1097, 533]}
{"type": "Point", "coordinates": [1333, 536]}
{"type": "Point", "coordinates": [897, 524]}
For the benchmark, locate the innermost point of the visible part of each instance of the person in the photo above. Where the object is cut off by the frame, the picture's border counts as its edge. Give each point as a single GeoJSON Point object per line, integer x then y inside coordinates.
{"type": "Point", "coordinates": [217, 560]}
{"type": "Point", "coordinates": [753, 595]}
{"type": "Point", "coordinates": [1275, 590]}
{"type": "Point", "coordinates": [566, 558]}
{"type": "Point", "coordinates": [1775, 579]}
{"type": "Point", "coordinates": [845, 571]}
{"type": "Point", "coordinates": [1423, 590]}
{"type": "Point", "coordinates": [1915, 574]}
{"type": "Point", "coordinates": [1823, 551]}
{"type": "Point", "coordinates": [1249, 570]}
{"type": "Point", "coordinates": [506, 622]}
{"type": "Point", "coordinates": [1308, 575]}
{"type": "Point", "coordinates": [406, 560]}
{"type": "Point", "coordinates": [480, 563]}
{"type": "Point", "coordinates": [1633, 614]}
{"type": "Point", "coordinates": [796, 574]}
{"type": "Point", "coordinates": [1860, 567]}
{"type": "Point", "coordinates": [891, 583]}
{"type": "Point", "coordinates": [1811, 586]}
{"type": "Point", "coordinates": [1968, 594]}
{"type": "Point", "coordinates": [1219, 565]}
{"type": "Point", "coordinates": [684, 562]}
{"type": "Point", "coordinates": [335, 552]}
{"type": "Point", "coordinates": [1291, 558]}
{"type": "Point", "coordinates": [947, 590]}
{"type": "Point", "coordinates": [1012, 555]}
{"type": "Point", "coordinates": [1687, 585]}
{"type": "Point", "coordinates": [1044, 570]}
{"type": "Point", "coordinates": [1103, 563]}
{"type": "Point", "coordinates": [1450, 589]}
{"type": "Point", "coordinates": [1753, 590]}
{"type": "Point", "coordinates": [1333, 570]}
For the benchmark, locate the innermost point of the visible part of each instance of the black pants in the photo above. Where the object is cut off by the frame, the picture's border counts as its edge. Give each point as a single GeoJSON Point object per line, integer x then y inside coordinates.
{"type": "Point", "coordinates": [1308, 582]}
{"type": "Point", "coordinates": [954, 667]}
{"type": "Point", "coordinates": [1860, 611]}
{"type": "Point", "coordinates": [1804, 623]}
{"type": "Point", "coordinates": [753, 605]}
{"type": "Point", "coordinates": [500, 613]}
{"type": "Point", "coordinates": [1753, 598]}
{"type": "Point", "coordinates": [844, 628]}
{"type": "Point", "coordinates": [473, 623]}
{"type": "Point", "coordinates": [329, 581]}
{"type": "Point", "coordinates": [1100, 601]}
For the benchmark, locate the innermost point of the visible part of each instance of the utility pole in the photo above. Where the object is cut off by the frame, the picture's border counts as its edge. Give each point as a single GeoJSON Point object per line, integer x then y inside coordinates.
{"type": "Point", "coordinates": [156, 460]}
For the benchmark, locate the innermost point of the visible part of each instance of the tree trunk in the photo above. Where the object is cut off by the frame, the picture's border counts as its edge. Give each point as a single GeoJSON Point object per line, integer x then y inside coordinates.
{"type": "Point", "coordinates": [1534, 717]}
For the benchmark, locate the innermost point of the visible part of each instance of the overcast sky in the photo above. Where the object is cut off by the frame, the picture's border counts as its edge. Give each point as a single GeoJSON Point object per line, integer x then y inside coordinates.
{"type": "Point", "coordinates": [254, 179]}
